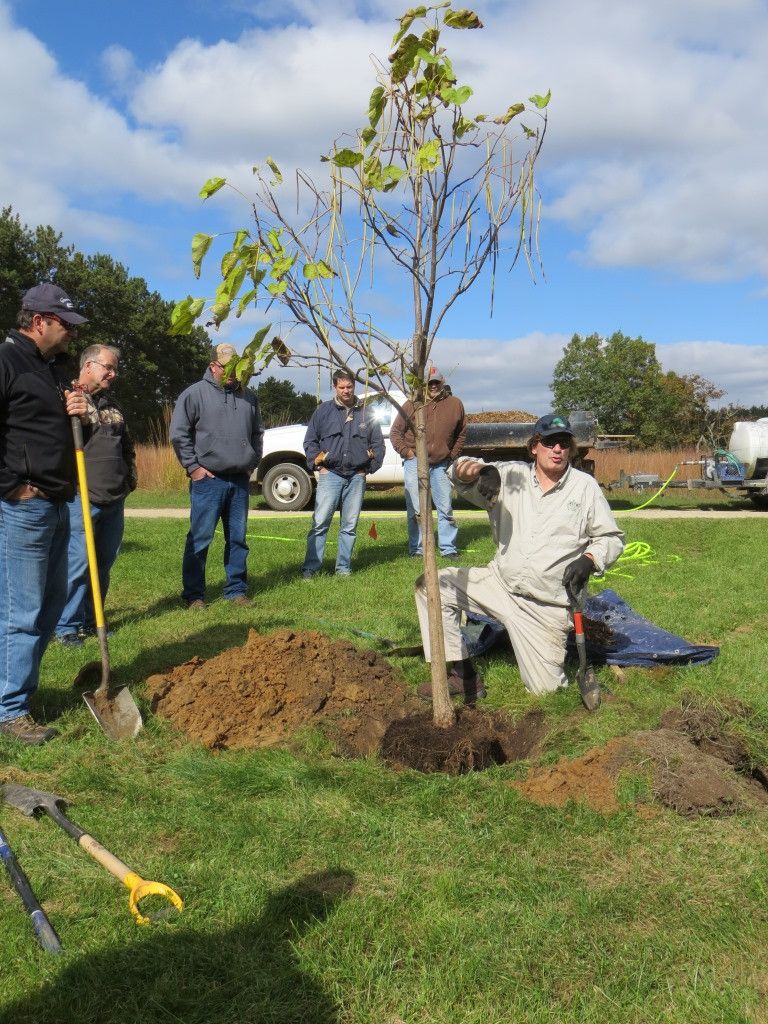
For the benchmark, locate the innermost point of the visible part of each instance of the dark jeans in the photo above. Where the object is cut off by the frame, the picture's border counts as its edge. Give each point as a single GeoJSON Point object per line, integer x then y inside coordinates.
{"type": "Point", "coordinates": [212, 499]}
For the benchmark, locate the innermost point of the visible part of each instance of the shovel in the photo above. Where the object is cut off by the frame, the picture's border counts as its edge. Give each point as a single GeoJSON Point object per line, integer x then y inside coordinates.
{"type": "Point", "coordinates": [29, 801]}
{"type": "Point", "coordinates": [114, 710]}
{"type": "Point", "coordinates": [589, 687]}
{"type": "Point", "coordinates": [44, 930]}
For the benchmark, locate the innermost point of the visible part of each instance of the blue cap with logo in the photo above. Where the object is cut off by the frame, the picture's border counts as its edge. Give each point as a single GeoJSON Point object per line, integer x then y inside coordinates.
{"type": "Point", "coordinates": [49, 298]}
{"type": "Point", "coordinates": [552, 424]}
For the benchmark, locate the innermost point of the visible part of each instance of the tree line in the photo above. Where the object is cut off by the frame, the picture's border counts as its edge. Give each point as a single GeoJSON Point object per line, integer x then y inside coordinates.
{"type": "Point", "coordinates": [622, 382]}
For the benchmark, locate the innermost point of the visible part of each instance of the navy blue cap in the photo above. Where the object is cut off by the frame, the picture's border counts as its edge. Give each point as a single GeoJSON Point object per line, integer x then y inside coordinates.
{"type": "Point", "coordinates": [553, 424]}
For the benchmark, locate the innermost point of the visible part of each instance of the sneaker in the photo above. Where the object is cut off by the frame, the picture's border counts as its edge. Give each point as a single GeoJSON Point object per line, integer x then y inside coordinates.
{"type": "Point", "coordinates": [197, 605]}
{"type": "Point", "coordinates": [26, 730]}
{"type": "Point", "coordinates": [449, 554]}
{"type": "Point", "coordinates": [469, 689]}
{"type": "Point", "coordinates": [241, 601]}
{"type": "Point", "coordinates": [69, 639]}
{"type": "Point", "coordinates": [343, 572]}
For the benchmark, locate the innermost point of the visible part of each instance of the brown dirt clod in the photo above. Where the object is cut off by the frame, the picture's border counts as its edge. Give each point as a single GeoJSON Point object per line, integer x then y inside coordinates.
{"type": "Point", "coordinates": [262, 693]}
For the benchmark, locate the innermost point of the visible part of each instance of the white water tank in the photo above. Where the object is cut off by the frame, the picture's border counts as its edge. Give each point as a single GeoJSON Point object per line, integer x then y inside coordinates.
{"type": "Point", "coordinates": [749, 442]}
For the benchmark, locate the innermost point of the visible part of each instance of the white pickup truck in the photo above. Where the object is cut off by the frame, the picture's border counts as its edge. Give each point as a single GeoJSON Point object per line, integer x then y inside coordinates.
{"type": "Point", "coordinates": [287, 485]}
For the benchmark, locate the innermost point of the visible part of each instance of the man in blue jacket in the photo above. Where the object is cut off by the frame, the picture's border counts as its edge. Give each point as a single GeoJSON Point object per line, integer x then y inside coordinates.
{"type": "Point", "coordinates": [217, 434]}
{"type": "Point", "coordinates": [342, 445]}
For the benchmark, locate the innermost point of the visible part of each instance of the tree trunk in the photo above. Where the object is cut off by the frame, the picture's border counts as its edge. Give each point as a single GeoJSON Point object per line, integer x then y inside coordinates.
{"type": "Point", "coordinates": [444, 715]}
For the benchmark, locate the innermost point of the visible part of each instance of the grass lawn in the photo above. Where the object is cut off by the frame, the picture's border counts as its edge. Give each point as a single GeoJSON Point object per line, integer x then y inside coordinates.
{"type": "Point", "coordinates": [322, 890]}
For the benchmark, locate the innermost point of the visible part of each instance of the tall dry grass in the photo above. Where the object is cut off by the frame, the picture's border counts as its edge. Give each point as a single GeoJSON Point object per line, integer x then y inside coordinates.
{"type": "Point", "coordinates": [610, 462]}
{"type": "Point", "coordinates": [156, 463]}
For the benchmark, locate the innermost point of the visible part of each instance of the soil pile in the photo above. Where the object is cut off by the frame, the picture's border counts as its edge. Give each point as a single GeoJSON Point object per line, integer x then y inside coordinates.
{"type": "Point", "coordinates": [478, 740]}
{"type": "Point", "coordinates": [274, 685]}
{"type": "Point", "coordinates": [694, 763]}
{"type": "Point", "coordinates": [510, 416]}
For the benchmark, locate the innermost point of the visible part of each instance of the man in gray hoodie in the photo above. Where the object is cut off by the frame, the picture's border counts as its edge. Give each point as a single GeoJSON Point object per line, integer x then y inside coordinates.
{"type": "Point", "coordinates": [217, 434]}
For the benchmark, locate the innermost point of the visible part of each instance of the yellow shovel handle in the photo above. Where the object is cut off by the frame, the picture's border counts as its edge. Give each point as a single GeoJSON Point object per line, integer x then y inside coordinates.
{"type": "Point", "coordinates": [138, 886]}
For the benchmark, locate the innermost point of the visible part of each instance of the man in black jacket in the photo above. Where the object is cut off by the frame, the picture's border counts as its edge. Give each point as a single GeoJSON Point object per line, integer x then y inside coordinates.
{"type": "Point", "coordinates": [110, 462]}
{"type": "Point", "coordinates": [37, 479]}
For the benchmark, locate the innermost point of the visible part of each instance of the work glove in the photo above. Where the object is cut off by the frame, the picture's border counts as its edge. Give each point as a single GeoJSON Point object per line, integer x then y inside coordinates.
{"type": "Point", "coordinates": [577, 573]}
{"type": "Point", "coordinates": [489, 484]}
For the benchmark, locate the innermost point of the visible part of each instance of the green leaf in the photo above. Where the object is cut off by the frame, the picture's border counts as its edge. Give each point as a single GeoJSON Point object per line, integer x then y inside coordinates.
{"type": "Point", "coordinates": [256, 340]}
{"type": "Point", "coordinates": [457, 96]}
{"type": "Point", "coordinates": [181, 317]}
{"type": "Point", "coordinates": [347, 158]}
{"type": "Point", "coordinates": [407, 20]}
{"type": "Point", "coordinates": [233, 281]}
{"type": "Point", "coordinates": [462, 19]}
{"type": "Point", "coordinates": [211, 186]}
{"type": "Point", "coordinates": [428, 155]}
{"type": "Point", "coordinates": [220, 311]}
{"type": "Point", "coordinates": [464, 125]}
{"type": "Point", "coordinates": [240, 237]}
{"type": "Point", "coordinates": [228, 260]}
{"type": "Point", "coordinates": [309, 271]}
{"type": "Point", "coordinates": [393, 173]}
{"type": "Point", "coordinates": [401, 61]}
{"type": "Point", "coordinates": [513, 111]}
{"type": "Point", "coordinates": [281, 350]}
{"type": "Point", "coordinates": [281, 267]}
{"type": "Point", "coordinates": [274, 240]}
{"type": "Point", "coordinates": [278, 288]}
{"type": "Point", "coordinates": [319, 269]}
{"type": "Point", "coordinates": [201, 243]}
{"type": "Point", "coordinates": [376, 105]}
{"type": "Point", "coordinates": [324, 270]}
{"type": "Point", "coordinates": [429, 38]}
{"type": "Point", "coordinates": [244, 300]}
{"type": "Point", "coordinates": [275, 170]}
{"type": "Point", "coordinates": [529, 134]}
{"type": "Point", "coordinates": [427, 56]}
{"type": "Point", "coordinates": [196, 308]}
{"type": "Point", "coordinates": [541, 101]}
{"type": "Point", "coordinates": [257, 276]}
{"type": "Point", "coordinates": [367, 135]}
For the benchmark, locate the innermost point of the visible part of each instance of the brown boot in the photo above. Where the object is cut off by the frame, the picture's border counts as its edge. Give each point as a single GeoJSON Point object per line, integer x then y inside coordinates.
{"type": "Point", "coordinates": [26, 730]}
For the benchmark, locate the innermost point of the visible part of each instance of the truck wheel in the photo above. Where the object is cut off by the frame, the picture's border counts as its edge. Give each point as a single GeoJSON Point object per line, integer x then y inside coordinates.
{"type": "Point", "coordinates": [760, 501]}
{"type": "Point", "coordinates": [287, 487]}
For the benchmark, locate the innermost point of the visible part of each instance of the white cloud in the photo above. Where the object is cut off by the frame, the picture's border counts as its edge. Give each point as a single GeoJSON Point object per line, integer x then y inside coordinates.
{"type": "Point", "coordinates": [741, 370]}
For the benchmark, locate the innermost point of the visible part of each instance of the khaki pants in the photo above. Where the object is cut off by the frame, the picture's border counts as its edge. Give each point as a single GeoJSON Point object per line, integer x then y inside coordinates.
{"type": "Point", "coordinates": [538, 631]}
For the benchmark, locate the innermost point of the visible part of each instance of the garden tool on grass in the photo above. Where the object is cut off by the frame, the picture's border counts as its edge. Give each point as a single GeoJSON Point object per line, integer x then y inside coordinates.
{"type": "Point", "coordinates": [589, 687]}
{"type": "Point", "coordinates": [114, 709]}
{"type": "Point", "coordinates": [29, 801]}
{"type": "Point", "coordinates": [44, 930]}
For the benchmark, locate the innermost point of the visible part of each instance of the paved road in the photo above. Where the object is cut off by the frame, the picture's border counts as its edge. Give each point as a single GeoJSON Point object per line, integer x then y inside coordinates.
{"type": "Point", "coordinates": [646, 513]}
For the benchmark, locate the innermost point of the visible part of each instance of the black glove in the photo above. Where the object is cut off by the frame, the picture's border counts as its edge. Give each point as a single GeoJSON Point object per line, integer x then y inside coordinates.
{"type": "Point", "coordinates": [489, 484]}
{"type": "Point", "coordinates": [577, 573]}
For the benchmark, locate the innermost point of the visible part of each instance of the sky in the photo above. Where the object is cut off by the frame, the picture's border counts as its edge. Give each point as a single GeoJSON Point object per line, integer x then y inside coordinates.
{"type": "Point", "coordinates": [652, 176]}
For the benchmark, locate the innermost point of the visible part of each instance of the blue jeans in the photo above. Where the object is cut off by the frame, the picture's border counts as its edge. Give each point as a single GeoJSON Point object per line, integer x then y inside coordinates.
{"type": "Point", "coordinates": [33, 588]}
{"type": "Point", "coordinates": [214, 498]}
{"type": "Point", "coordinates": [108, 524]}
{"type": "Point", "coordinates": [440, 486]}
{"type": "Point", "coordinates": [332, 489]}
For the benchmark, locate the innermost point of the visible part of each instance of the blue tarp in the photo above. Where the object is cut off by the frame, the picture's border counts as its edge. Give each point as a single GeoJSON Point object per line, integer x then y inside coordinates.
{"type": "Point", "coordinates": [635, 640]}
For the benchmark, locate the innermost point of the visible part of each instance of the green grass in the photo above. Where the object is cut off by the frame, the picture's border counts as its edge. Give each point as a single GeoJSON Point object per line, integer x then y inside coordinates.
{"type": "Point", "coordinates": [324, 890]}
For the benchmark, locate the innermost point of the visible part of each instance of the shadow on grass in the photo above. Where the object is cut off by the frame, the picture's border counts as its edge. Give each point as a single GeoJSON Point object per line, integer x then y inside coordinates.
{"type": "Point", "coordinates": [248, 973]}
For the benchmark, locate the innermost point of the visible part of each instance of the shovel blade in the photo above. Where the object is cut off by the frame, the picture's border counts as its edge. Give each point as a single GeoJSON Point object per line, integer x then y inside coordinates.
{"type": "Point", "coordinates": [116, 712]}
{"type": "Point", "coordinates": [29, 800]}
{"type": "Point", "coordinates": [589, 688]}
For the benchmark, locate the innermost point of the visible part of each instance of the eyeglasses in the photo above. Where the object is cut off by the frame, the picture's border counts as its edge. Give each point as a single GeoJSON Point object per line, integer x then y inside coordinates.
{"type": "Point", "coordinates": [561, 440]}
{"type": "Point", "coordinates": [58, 320]}
{"type": "Point", "coordinates": [107, 366]}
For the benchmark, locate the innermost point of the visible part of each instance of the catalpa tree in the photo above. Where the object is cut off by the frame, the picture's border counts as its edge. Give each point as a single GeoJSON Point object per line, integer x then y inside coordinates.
{"type": "Point", "coordinates": [426, 189]}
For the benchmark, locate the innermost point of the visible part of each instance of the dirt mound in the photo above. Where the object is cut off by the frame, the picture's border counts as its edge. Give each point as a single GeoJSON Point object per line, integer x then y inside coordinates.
{"type": "Point", "coordinates": [274, 685]}
{"type": "Point", "coordinates": [510, 416]}
{"type": "Point", "coordinates": [693, 763]}
{"type": "Point", "coordinates": [478, 740]}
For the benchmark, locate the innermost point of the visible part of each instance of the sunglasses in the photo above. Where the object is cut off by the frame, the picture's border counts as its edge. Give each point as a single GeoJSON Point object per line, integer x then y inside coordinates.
{"type": "Point", "coordinates": [58, 320]}
{"type": "Point", "coordinates": [561, 440]}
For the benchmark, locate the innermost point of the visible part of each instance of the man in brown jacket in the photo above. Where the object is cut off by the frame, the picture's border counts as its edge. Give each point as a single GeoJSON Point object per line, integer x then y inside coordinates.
{"type": "Point", "coordinates": [446, 428]}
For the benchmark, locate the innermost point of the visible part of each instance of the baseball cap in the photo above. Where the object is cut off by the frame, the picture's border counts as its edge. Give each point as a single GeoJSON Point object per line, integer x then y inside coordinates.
{"type": "Point", "coordinates": [49, 298]}
{"type": "Point", "coordinates": [223, 353]}
{"type": "Point", "coordinates": [434, 376]}
{"type": "Point", "coordinates": [553, 424]}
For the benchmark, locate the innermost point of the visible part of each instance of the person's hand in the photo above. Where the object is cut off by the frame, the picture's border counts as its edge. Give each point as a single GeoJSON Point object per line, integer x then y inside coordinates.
{"type": "Point", "coordinates": [200, 474]}
{"type": "Point", "coordinates": [577, 573]}
{"type": "Point", "coordinates": [24, 492]}
{"type": "Point", "coordinates": [468, 470]}
{"type": "Point", "coordinates": [320, 458]}
{"type": "Point", "coordinates": [489, 483]}
{"type": "Point", "coordinates": [76, 405]}
{"type": "Point", "coordinates": [409, 455]}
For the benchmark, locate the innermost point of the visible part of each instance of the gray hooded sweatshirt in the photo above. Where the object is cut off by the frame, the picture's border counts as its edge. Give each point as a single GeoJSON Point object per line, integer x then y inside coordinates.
{"type": "Point", "coordinates": [217, 428]}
